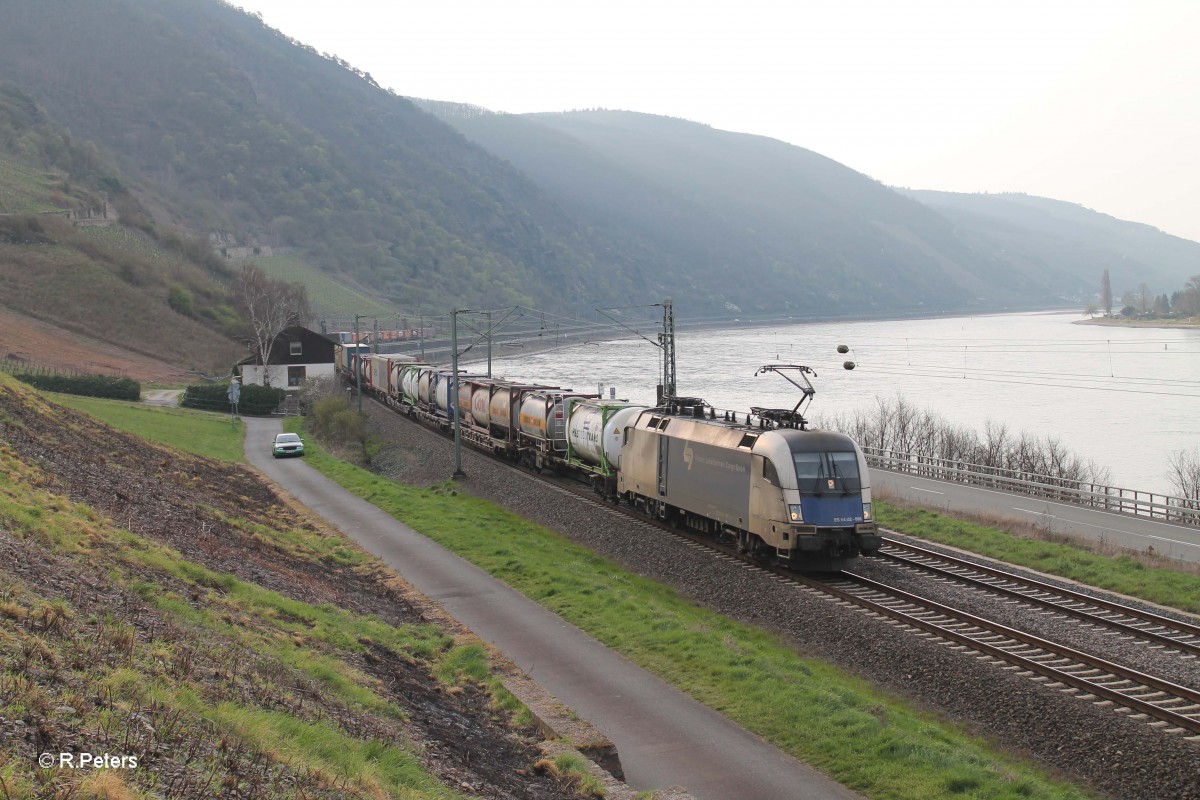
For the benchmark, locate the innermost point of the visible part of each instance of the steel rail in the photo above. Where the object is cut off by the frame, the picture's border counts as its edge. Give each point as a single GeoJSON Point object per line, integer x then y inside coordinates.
{"type": "Point", "coordinates": [1119, 699]}
{"type": "Point", "coordinates": [1109, 671]}
{"type": "Point", "coordinates": [1069, 595]}
{"type": "Point", "coordinates": [1141, 680]}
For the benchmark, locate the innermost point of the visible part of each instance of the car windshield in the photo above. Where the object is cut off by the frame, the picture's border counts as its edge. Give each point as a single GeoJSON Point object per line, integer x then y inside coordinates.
{"type": "Point", "coordinates": [287, 438]}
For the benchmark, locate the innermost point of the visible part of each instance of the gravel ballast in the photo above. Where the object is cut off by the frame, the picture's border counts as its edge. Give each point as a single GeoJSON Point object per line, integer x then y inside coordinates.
{"type": "Point", "coordinates": [1090, 744]}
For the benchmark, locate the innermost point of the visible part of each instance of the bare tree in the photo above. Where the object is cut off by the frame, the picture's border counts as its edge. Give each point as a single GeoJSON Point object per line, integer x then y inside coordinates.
{"type": "Point", "coordinates": [1184, 475]}
{"type": "Point", "coordinates": [269, 307]}
{"type": "Point", "coordinates": [1190, 297]}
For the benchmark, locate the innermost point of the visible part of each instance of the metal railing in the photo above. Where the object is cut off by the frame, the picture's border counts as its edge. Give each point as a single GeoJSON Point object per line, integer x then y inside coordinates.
{"type": "Point", "coordinates": [1066, 490]}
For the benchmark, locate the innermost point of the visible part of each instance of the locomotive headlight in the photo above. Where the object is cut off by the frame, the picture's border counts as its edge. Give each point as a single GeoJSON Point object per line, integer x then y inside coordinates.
{"type": "Point", "coordinates": [795, 514]}
{"type": "Point", "coordinates": [866, 512]}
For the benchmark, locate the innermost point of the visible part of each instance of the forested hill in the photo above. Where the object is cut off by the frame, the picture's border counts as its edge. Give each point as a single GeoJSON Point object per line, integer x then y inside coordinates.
{"type": "Point", "coordinates": [232, 127]}
{"type": "Point", "coordinates": [220, 124]}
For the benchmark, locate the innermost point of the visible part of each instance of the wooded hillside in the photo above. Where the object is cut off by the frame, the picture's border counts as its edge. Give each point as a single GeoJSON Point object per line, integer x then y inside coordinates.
{"type": "Point", "coordinates": [221, 125]}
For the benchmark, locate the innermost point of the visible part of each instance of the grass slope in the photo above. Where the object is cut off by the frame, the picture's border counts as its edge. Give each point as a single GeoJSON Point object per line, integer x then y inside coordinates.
{"type": "Point", "coordinates": [329, 297]}
{"type": "Point", "coordinates": [114, 639]}
{"type": "Point", "coordinates": [864, 739]}
{"type": "Point", "coordinates": [200, 432]}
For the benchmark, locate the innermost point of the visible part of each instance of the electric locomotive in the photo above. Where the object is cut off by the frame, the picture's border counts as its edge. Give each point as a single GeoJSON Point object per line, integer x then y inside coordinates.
{"type": "Point", "coordinates": [770, 486]}
{"type": "Point", "coordinates": [761, 481]}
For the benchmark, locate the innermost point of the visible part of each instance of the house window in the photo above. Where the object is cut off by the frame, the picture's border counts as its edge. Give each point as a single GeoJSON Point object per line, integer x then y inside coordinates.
{"type": "Point", "coordinates": [295, 348]}
{"type": "Point", "coordinates": [295, 376]}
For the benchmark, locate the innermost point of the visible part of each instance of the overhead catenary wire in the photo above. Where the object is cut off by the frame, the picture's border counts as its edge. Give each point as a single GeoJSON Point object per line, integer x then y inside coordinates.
{"type": "Point", "coordinates": [905, 371]}
{"type": "Point", "coordinates": [935, 369]}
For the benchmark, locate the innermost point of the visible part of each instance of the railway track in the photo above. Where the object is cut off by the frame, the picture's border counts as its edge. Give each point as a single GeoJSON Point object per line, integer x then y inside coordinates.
{"type": "Point", "coordinates": [1174, 708]}
{"type": "Point", "coordinates": [1170, 707]}
{"type": "Point", "coordinates": [1170, 634]}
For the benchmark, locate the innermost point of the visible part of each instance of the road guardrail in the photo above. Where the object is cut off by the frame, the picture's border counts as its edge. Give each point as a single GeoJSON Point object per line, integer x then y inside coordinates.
{"type": "Point", "coordinates": [1093, 495]}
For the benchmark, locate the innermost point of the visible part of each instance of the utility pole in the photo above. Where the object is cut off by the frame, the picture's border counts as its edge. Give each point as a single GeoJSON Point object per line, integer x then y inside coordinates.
{"type": "Point", "coordinates": [489, 341]}
{"type": "Point", "coordinates": [667, 341]}
{"type": "Point", "coordinates": [452, 403]}
{"type": "Point", "coordinates": [358, 356]}
{"type": "Point", "coordinates": [357, 366]}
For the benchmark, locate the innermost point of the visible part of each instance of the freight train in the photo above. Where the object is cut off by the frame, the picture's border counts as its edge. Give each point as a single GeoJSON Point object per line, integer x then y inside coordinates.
{"type": "Point", "coordinates": [761, 480]}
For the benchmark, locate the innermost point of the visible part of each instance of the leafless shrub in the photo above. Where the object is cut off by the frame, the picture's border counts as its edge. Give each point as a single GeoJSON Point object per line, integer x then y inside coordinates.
{"type": "Point", "coordinates": [1184, 474]}
{"type": "Point", "coordinates": [899, 426]}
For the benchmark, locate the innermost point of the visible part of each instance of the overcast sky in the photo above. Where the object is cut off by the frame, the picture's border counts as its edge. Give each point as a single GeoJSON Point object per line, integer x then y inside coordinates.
{"type": "Point", "coordinates": [1094, 102]}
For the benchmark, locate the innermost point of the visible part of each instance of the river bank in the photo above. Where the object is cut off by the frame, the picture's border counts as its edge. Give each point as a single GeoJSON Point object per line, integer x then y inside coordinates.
{"type": "Point", "coordinates": [1187, 323]}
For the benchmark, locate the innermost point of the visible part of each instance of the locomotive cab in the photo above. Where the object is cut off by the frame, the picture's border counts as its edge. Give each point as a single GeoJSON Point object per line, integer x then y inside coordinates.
{"type": "Point", "coordinates": [810, 495]}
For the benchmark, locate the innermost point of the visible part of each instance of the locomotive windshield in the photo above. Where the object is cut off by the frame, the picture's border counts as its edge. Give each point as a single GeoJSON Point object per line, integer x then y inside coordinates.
{"type": "Point", "coordinates": [815, 471]}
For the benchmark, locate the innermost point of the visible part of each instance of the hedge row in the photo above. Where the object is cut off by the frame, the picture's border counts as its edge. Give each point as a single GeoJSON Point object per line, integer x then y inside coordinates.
{"type": "Point", "coordinates": [89, 385]}
{"type": "Point", "coordinates": [214, 397]}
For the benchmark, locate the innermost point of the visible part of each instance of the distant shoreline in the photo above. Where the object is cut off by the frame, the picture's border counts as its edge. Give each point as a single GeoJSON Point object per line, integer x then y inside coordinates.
{"type": "Point", "coordinates": [1191, 323]}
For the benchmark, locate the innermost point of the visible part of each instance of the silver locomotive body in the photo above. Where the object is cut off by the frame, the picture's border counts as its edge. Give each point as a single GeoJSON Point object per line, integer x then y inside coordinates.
{"type": "Point", "coordinates": [803, 497]}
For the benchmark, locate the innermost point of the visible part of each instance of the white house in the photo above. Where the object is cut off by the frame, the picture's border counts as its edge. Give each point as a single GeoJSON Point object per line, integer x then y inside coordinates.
{"type": "Point", "coordinates": [297, 355]}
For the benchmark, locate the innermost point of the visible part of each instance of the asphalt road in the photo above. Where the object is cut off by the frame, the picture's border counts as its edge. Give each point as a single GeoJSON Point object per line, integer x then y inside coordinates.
{"type": "Point", "coordinates": [1122, 530]}
{"type": "Point", "coordinates": [664, 738]}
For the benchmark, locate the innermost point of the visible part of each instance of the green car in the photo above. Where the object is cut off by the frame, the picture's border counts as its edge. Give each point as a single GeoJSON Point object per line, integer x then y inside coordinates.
{"type": "Point", "coordinates": [287, 444]}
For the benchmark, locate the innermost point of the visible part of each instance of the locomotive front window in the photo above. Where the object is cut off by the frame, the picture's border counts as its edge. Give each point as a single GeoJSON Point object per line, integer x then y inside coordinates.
{"type": "Point", "coordinates": [823, 472]}
{"type": "Point", "coordinates": [809, 466]}
{"type": "Point", "coordinates": [845, 466]}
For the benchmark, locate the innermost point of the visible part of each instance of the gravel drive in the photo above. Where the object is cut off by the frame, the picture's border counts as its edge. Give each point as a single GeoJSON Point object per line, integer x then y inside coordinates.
{"type": "Point", "coordinates": [1114, 755]}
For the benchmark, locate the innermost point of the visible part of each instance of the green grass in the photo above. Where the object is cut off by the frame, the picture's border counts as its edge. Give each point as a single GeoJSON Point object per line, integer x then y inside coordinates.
{"type": "Point", "coordinates": [1162, 585]}
{"type": "Point", "coordinates": [327, 295]}
{"type": "Point", "coordinates": [868, 741]}
{"type": "Point", "coordinates": [201, 432]}
{"type": "Point", "coordinates": [250, 710]}
{"type": "Point", "coordinates": [369, 765]}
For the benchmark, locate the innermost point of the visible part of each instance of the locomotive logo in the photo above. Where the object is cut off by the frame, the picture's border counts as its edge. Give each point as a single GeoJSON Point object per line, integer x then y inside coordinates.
{"type": "Point", "coordinates": [688, 456]}
{"type": "Point", "coordinates": [831, 483]}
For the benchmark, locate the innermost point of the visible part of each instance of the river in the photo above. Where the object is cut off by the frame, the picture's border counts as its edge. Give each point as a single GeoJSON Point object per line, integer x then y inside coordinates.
{"type": "Point", "coordinates": [1124, 398]}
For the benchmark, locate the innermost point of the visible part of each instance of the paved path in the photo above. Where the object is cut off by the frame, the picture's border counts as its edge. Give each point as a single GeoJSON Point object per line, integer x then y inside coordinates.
{"type": "Point", "coordinates": [1122, 530]}
{"type": "Point", "coordinates": [664, 738]}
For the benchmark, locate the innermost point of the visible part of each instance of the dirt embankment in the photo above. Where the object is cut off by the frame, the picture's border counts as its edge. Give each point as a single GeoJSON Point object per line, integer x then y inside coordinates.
{"type": "Point", "coordinates": [176, 609]}
{"type": "Point", "coordinates": [24, 339]}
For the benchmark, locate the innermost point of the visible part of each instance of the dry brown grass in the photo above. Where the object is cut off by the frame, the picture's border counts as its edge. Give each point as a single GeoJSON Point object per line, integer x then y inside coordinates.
{"type": "Point", "coordinates": [106, 785]}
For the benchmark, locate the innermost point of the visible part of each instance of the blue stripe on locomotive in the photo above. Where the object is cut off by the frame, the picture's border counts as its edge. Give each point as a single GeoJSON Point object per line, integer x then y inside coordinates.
{"type": "Point", "coordinates": [832, 510]}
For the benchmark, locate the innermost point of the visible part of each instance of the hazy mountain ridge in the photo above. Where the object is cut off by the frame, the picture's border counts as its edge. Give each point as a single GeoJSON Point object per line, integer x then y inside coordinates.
{"type": "Point", "coordinates": [767, 209]}
{"type": "Point", "coordinates": [1053, 234]}
{"type": "Point", "coordinates": [220, 123]}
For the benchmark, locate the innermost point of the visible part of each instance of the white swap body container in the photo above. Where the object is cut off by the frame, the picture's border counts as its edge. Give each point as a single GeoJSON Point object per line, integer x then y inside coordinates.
{"type": "Point", "coordinates": [425, 380]}
{"type": "Point", "coordinates": [544, 415]}
{"type": "Point", "coordinates": [595, 430]}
